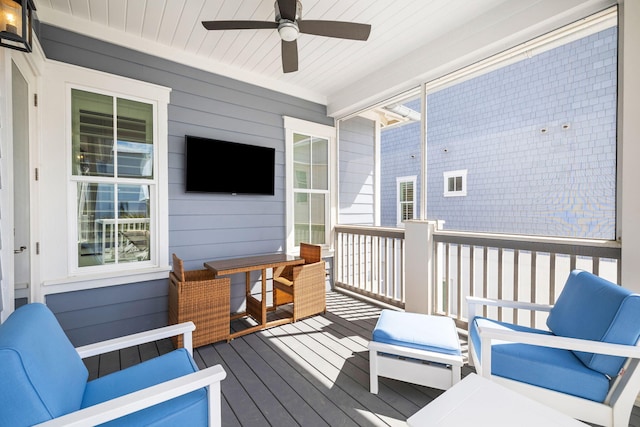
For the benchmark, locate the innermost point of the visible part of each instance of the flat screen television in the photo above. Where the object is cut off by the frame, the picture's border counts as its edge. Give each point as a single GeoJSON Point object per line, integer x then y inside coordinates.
{"type": "Point", "coordinates": [215, 166]}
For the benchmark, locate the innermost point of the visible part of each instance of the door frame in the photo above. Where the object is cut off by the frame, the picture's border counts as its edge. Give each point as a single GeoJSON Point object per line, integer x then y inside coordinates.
{"type": "Point", "coordinates": [30, 66]}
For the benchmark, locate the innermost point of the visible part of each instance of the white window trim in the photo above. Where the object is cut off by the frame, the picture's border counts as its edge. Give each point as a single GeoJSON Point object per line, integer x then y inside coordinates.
{"type": "Point", "coordinates": [59, 264]}
{"type": "Point", "coordinates": [293, 125]}
{"type": "Point", "coordinates": [400, 179]}
{"type": "Point", "coordinates": [452, 174]}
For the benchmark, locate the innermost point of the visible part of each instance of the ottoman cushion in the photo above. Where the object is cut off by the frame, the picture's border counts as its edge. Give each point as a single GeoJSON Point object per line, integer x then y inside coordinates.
{"type": "Point", "coordinates": [420, 331]}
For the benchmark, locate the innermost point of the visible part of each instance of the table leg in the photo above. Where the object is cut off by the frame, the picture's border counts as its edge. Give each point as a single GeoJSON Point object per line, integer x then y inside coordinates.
{"type": "Point", "coordinates": [264, 296]}
{"type": "Point", "coordinates": [247, 281]}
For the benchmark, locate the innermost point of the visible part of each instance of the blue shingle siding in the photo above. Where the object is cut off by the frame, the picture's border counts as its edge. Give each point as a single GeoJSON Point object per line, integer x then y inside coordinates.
{"type": "Point", "coordinates": [538, 138]}
{"type": "Point", "coordinates": [400, 156]}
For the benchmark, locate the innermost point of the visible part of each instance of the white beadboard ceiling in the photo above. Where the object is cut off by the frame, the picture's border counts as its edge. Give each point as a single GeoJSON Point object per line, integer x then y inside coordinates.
{"type": "Point", "coordinates": [327, 67]}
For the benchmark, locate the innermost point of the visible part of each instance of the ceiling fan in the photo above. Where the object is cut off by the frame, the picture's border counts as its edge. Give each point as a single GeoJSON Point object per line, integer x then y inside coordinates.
{"type": "Point", "coordinates": [289, 24]}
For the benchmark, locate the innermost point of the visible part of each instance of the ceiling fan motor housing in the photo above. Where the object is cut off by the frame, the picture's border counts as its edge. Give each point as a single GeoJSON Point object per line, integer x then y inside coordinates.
{"type": "Point", "coordinates": [288, 29]}
{"type": "Point", "coordinates": [298, 12]}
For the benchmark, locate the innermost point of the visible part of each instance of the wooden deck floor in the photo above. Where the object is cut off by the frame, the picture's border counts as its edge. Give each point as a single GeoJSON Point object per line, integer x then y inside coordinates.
{"type": "Point", "coordinates": [314, 372]}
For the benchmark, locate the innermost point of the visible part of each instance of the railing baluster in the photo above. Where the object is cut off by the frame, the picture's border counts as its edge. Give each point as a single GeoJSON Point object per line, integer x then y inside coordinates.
{"type": "Point", "coordinates": [459, 295]}
{"type": "Point", "coordinates": [447, 279]}
{"type": "Point", "coordinates": [437, 249]}
{"type": "Point", "coordinates": [516, 282]}
{"type": "Point", "coordinates": [485, 277]}
{"type": "Point", "coordinates": [534, 255]}
{"type": "Point", "coordinates": [472, 269]}
{"type": "Point", "coordinates": [402, 276]}
{"type": "Point", "coordinates": [552, 278]}
{"type": "Point", "coordinates": [500, 280]}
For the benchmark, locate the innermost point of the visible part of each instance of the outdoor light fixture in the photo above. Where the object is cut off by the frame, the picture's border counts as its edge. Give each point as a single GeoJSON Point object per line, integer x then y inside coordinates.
{"type": "Point", "coordinates": [16, 24]}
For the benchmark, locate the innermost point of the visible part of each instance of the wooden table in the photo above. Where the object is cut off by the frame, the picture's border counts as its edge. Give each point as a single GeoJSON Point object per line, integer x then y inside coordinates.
{"type": "Point", "coordinates": [477, 401]}
{"type": "Point", "coordinates": [254, 307]}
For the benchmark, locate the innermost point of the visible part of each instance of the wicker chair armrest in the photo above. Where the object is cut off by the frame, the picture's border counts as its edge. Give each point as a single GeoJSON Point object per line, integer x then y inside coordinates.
{"type": "Point", "coordinates": [192, 275]}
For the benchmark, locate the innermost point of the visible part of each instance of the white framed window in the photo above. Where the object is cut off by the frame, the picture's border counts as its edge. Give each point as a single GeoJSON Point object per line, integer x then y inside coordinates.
{"type": "Point", "coordinates": [113, 150]}
{"type": "Point", "coordinates": [105, 181]}
{"type": "Point", "coordinates": [406, 190]}
{"type": "Point", "coordinates": [455, 183]}
{"type": "Point", "coordinates": [310, 148]}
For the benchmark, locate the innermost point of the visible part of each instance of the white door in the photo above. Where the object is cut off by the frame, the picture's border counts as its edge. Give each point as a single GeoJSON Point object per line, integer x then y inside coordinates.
{"type": "Point", "coordinates": [21, 193]}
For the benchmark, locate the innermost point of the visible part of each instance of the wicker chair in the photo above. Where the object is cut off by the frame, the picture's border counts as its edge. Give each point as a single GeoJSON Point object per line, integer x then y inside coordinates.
{"type": "Point", "coordinates": [303, 285]}
{"type": "Point", "coordinates": [199, 297]}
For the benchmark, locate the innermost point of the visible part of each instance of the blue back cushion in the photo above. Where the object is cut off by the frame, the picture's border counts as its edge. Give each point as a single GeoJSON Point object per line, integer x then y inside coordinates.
{"type": "Point", "coordinates": [42, 376]}
{"type": "Point", "coordinates": [593, 308]}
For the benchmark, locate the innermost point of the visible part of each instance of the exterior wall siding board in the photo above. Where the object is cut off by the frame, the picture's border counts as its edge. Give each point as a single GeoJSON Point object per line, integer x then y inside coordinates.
{"type": "Point", "coordinates": [356, 169]}
{"type": "Point", "coordinates": [202, 226]}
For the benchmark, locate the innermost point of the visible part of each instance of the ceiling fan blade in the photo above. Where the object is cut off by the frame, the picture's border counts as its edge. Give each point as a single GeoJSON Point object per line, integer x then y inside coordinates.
{"type": "Point", "coordinates": [238, 25]}
{"type": "Point", "coordinates": [339, 29]}
{"type": "Point", "coordinates": [289, 56]}
{"type": "Point", "coordinates": [287, 9]}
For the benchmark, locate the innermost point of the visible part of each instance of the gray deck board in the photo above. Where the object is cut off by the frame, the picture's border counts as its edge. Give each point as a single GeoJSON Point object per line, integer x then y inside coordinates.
{"type": "Point", "coordinates": [314, 372]}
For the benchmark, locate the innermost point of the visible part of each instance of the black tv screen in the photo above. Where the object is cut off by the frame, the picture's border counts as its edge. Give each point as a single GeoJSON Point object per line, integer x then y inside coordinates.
{"type": "Point", "coordinates": [215, 166]}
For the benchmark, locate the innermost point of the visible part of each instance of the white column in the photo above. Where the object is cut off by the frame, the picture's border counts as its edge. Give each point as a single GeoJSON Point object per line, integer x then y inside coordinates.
{"type": "Point", "coordinates": [419, 265]}
{"type": "Point", "coordinates": [629, 147]}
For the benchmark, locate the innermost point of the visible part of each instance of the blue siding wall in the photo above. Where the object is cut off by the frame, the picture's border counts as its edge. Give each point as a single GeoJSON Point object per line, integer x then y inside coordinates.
{"type": "Point", "coordinates": [356, 155]}
{"type": "Point", "coordinates": [561, 182]}
{"type": "Point", "coordinates": [400, 153]}
{"type": "Point", "coordinates": [201, 226]}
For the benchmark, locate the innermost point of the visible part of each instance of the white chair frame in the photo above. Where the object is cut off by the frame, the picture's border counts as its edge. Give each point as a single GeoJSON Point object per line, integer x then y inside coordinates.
{"type": "Point", "coordinates": [615, 411]}
{"type": "Point", "coordinates": [133, 402]}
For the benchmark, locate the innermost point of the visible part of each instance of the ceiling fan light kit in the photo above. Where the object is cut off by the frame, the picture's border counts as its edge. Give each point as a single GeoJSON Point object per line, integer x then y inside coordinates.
{"type": "Point", "coordinates": [289, 24]}
{"type": "Point", "coordinates": [288, 31]}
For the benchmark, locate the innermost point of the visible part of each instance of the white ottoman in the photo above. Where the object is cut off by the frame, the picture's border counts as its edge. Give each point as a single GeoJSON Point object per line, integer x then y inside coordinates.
{"type": "Point", "coordinates": [415, 348]}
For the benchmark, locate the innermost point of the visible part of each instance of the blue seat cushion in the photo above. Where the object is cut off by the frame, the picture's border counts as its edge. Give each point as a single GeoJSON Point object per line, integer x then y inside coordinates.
{"type": "Point", "coordinates": [592, 308]}
{"type": "Point", "coordinates": [37, 361]}
{"type": "Point", "coordinates": [546, 367]}
{"type": "Point", "coordinates": [419, 331]}
{"type": "Point", "coordinates": [187, 410]}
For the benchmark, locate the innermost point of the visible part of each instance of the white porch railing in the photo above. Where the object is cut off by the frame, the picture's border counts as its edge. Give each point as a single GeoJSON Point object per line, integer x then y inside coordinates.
{"type": "Point", "coordinates": [371, 261]}
{"type": "Point", "coordinates": [519, 268]}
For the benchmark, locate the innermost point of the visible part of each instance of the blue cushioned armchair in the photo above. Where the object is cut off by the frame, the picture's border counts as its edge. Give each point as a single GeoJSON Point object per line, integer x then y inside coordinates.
{"type": "Point", "coordinates": [585, 364]}
{"type": "Point", "coordinates": [44, 381]}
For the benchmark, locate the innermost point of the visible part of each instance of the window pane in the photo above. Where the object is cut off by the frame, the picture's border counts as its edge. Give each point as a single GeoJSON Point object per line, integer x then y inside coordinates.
{"type": "Point", "coordinates": [317, 219]}
{"type": "Point", "coordinates": [407, 211]}
{"type": "Point", "coordinates": [301, 218]}
{"type": "Point", "coordinates": [96, 224]}
{"type": "Point", "coordinates": [309, 214]}
{"type": "Point", "coordinates": [135, 139]}
{"type": "Point", "coordinates": [92, 133]}
{"type": "Point", "coordinates": [320, 164]}
{"type": "Point", "coordinates": [451, 186]}
{"type": "Point", "coordinates": [406, 191]}
{"type": "Point", "coordinates": [458, 183]}
{"type": "Point", "coordinates": [133, 223]}
{"type": "Point", "coordinates": [105, 239]}
{"type": "Point", "coordinates": [301, 161]}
